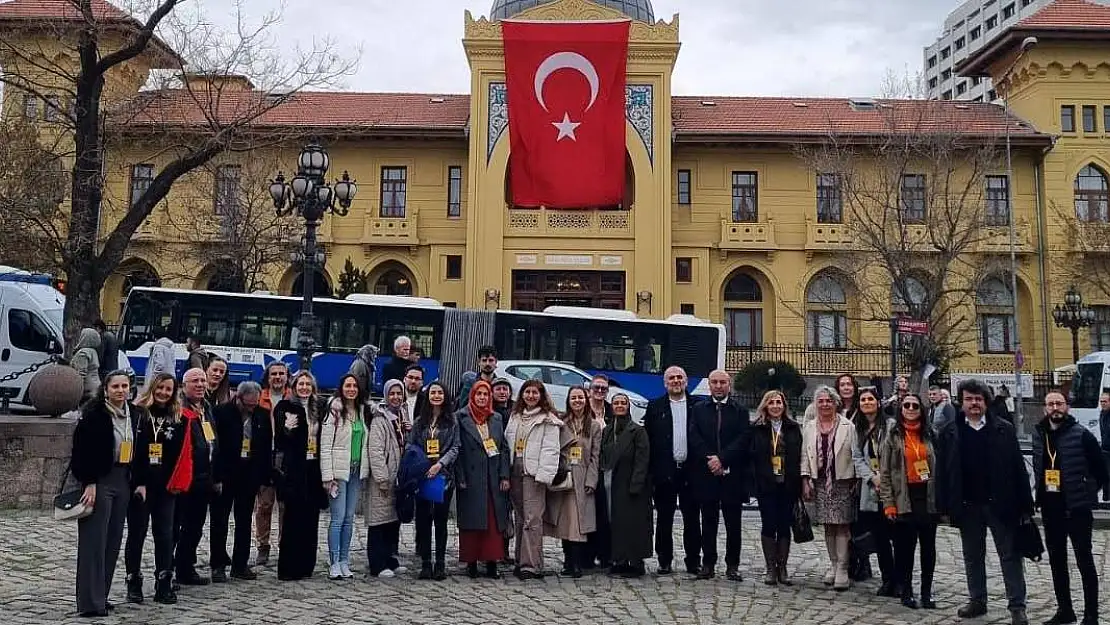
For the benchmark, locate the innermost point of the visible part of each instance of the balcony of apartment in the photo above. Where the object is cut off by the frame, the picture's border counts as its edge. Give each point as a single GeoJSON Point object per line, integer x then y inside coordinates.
{"type": "Point", "coordinates": [1090, 237]}
{"type": "Point", "coordinates": [581, 223]}
{"type": "Point", "coordinates": [391, 228]}
{"type": "Point", "coordinates": [748, 236]}
{"type": "Point", "coordinates": [823, 236]}
{"type": "Point", "coordinates": [995, 238]}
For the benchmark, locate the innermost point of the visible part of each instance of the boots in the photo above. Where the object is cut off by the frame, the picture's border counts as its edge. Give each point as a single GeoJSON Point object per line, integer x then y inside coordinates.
{"type": "Point", "coordinates": [770, 559]}
{"type": "Point", "coordinates": [830, 546]}
{"type": "Point", "coordinates": [783, 557]}
{"type": "Point", "coordinates": [163, 589]}
{"type": "Point", "coordinates": [841, 581]}
{"type": "Point", "coordinates": [135, 588]}
{"type": "Point", "coordinates": [927, 591]}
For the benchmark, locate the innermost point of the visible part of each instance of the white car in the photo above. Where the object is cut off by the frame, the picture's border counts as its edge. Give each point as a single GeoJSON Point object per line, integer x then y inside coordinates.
{"type": "Point", "coordinates": [559, 378]}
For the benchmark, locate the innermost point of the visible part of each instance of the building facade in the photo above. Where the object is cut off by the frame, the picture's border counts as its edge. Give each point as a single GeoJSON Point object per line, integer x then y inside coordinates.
{"type": "Point", "coordinates": [727, 214]}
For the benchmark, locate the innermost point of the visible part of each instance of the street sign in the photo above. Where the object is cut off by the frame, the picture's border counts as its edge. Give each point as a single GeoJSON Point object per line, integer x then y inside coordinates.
{"type": "Point", "coordinates": [912, 326]}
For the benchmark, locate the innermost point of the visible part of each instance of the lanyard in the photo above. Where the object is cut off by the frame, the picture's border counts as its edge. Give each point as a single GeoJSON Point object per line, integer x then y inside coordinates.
{"type": "Point", "coordinates": [1051, 454]}
{"type": "Point", "coordinates": [775, 436]}
{"type": "Point", "coordinates": [916, 449]}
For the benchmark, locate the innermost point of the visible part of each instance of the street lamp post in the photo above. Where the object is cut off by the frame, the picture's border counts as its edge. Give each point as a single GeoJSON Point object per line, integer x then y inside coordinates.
{"type": "Point", "coordinates": [1073, 315]}
{"type": "Point", "coordinates": [309, 194]}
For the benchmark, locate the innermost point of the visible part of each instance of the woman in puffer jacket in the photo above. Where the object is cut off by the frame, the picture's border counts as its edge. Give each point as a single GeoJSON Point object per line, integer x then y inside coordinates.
{"type": "Point", "coordinates": [533, 436]}
{"type": "Point", "coordinates": [343, 465]}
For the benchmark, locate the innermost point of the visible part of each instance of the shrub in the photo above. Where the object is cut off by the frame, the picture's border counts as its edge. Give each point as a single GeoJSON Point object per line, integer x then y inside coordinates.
{"type": "Point", "coordinates": [765, 375]}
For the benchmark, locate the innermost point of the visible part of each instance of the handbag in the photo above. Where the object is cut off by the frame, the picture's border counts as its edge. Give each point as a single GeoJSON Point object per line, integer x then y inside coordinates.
{"type": "Point", "coordinates": [567, 483]}
{"type": "Point", "coordinates": [865, 543]}
{"type": "Point", "coordinates": [67, 503]}
{"type": "Point", "coordinates": [802, 527]}
{"type": "Point", "coordinates": [1029, 541]}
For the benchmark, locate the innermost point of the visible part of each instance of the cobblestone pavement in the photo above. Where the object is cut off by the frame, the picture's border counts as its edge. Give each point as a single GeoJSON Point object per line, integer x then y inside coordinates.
{"type": "Point", "coordinates": [37, 561]}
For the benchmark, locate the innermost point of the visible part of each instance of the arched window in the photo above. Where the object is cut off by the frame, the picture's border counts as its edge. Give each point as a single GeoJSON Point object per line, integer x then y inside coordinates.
{"type": "Point", "coordinates": [393, 282]}
{"type": "Point", "coordinates": [227, 280]}
{"type": "Point", "coordinates": [320, 285]}
{"type": "Point", "coordinates": [909, 296]}
{"type": "Point", "coordinates": [1092, 196]}
{"type": "Point", "coordinates": [994, 304]}
{"type": "Point", "coordinates": [743, 311]}
{"type": "Point", "coordinates": [826, 313]}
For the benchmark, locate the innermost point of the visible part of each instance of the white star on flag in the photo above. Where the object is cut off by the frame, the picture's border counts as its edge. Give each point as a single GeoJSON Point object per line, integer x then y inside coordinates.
{"type": "Point", "coordinates": [566, 128]}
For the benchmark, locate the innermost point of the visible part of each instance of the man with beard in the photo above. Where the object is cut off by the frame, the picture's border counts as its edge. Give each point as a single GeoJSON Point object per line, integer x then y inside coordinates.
{"type": "Point", "coordinates": [413, 381]}
{"type": "Point", "coordinates": [1069, 469]}
{"type": "Point", "coordinates": [487, 362]}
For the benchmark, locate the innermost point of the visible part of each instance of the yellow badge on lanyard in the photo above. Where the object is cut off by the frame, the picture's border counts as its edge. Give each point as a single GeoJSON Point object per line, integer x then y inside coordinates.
{"type": "Point", "coordinates": [576, 455]}
{"type": "Point", "coordinates": [874, 465]}
{"type": "Point", "coordinates": [490, 445]}
{"type": "Point", "coordinates": [311, 453]}
{"type": "Point", "coordinates": [921, 467]}
{"type": "Point", "coordinates": [209, 433]}
{"type": "Point", "coordinates": [520, 443]}
{"type": "Point", "coordinates": [776, 465]}
{"type": "Point", "coordinates": [154, 450]}
{"type": "Point", "coordinates": [245, 451]}
{"type": "Point", "coordinates": [1052, 480]}
{"type": "Point", "coordinates": [431, 447]}
{"type": "Point", "coordinates": [125, 452]}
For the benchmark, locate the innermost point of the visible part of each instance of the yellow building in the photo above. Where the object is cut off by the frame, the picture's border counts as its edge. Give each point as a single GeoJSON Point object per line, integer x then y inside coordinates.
{"type": "Point", "coordinates": [726, 216]}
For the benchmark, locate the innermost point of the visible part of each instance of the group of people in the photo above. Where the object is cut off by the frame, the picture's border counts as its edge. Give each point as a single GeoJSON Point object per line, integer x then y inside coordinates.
{"type": "Point", "coordinates": [878, 474]}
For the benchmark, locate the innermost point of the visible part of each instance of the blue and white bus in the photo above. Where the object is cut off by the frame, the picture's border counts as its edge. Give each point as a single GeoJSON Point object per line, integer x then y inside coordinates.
{"type": "Point", "coordinates": [253, 329]}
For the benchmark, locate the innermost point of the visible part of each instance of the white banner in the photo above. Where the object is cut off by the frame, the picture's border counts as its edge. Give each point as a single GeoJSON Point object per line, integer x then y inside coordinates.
{"type": "Point", "coordinates": [996, 381]}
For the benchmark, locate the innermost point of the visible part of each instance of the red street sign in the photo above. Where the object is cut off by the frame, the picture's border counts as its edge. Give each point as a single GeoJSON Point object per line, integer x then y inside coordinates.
{"type": "Point", "coordinates": [910, 326]}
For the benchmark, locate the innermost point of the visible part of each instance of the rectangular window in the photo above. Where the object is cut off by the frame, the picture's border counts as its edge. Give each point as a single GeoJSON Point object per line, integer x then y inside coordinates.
{"type": "Point", "coordinates": [961, 87]}
{"type": "Point", "coordinates": [394, 189]}
{"type": "Point", "coordinates": [946, 74]}
{"type": "Point", "coordinates": [684, 270]}
{"type": "Point", "coordinates": [992, 95]}
{"type": "Point", "coordinates": [454, 267]}
{"type": "Point", "coordinates": [998, 201]}
{"type": "Point", "coordinates": [1008, 11]}
{"type": "Point", "coordinates": [992, 21]}
{"type": "Point", "coordinates": [1106, 119]}
{"type": "Point", "coordinates": [960, 43]}
{"type": "Point", "coordinates": [827, 329]}
{"type": "Point", "coordinates": [686, 309]}
{"type": "Point", "coordinates": [945, 53]}
{"type": "Point", "coordinates": [947, 95]}
{"type": "Point", "coordinates": [454, 191]}
{"type": "Point", "coordinates": [53, 109]}
{"type": "Point", "coordinates": [1100, 329]}
{"type": "Point", "coordinates": [975, 33]}
{"type": "Point", "coordinates": [829, 200]}
{"type": "Point", "coordinates": [1089, 123]}
{"type": "Point", "coordinates": [976, 81]}
{"type": "Point", "coordinates": [933, 82]}
{"type": "Point", "coordinates": [996, 334]}
{"type": "Point", "coordinates": [1067, 118]}
{"type": "Point", "coordinates": [30, 107]}
{"type": "Point", "coordinates": [227, 189]}
{"type": "Point", "coordinates": [141, 177]}
{"type": "Point", "coordinates": [744, 327]}
{"type": "Point", "coordinates": [745, 200]}
{"type": "Point", "coordinates": [913, 198]}
{"type": "Point", "coordinates": [932, 61]}
{"type": "Point", "coordinates": [684, 187]}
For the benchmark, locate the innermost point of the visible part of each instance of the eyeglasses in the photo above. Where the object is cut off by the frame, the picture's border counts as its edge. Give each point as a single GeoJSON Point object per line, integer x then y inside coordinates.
{"type": "Point", "coordinates": [912, 405]}
{"type": "Point", "coordinates": [601, 389]}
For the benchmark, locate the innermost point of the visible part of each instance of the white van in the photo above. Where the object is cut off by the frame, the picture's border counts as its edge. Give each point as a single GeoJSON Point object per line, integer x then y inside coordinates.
{"type": "Point", "coordinates": [30, 327]}
{"type": "Point", "coordinates": [1092, 379]}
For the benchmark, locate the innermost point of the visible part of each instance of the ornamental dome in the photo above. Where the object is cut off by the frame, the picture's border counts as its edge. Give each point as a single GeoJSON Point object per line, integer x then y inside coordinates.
{"type": "Point", "coordinates": [636, 9]}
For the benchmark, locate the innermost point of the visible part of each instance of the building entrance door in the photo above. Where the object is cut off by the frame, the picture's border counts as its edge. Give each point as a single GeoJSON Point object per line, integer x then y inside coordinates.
{"type": "Point", "coordinates": [536, 290]}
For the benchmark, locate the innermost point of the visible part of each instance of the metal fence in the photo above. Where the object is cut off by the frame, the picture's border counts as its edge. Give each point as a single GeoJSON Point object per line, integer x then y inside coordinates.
{"type": "Point", "coordinates": [813, 361]}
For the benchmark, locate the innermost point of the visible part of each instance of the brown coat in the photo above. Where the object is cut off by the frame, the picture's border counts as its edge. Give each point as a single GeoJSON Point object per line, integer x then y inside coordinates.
{"type": "Point", "coordinates": [384, 460]}
{"type": "Point", "coordinates": [572, 514]}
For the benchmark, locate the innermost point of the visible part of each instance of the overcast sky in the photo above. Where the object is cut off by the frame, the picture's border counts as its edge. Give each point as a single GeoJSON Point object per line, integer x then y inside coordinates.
{"type": "Point", "coordinates": [729, 47]}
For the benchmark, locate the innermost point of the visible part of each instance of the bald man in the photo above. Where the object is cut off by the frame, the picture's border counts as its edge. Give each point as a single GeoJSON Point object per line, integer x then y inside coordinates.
{"type": "Point", "coordinates": [718, 461]}
{"type": "Point", "coordinates": [667, 423]}
{"type": "Point", "coordinates": [191, 508]}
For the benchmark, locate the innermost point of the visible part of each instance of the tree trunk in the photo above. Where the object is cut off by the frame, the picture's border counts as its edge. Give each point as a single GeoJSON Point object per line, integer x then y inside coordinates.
{"type": "Point", "coordinates": [82, 300]}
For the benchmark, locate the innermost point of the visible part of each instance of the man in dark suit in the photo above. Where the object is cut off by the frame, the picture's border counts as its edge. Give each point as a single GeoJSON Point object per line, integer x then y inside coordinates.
{"type": "Point", "coordinates": [718, 461]}
{"type": "Point", "coordinates": [241, 465]}
{"type": "Point", "coordinates": [666, 421]}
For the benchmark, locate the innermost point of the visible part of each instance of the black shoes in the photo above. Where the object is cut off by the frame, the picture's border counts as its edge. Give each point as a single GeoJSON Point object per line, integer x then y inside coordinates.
{"type": "Point", "coordinates": [633, 570]}
{"type": "Point", "coordinates": [135, 588]}
{"type": "Point", "coordinates": [972, 610]}
{"type": "Point", "coordinates": [706, 573]}
{"type": "Point", "coordinates": [219, 576]}
{"type": "Point", "coordinates": [425, 571]}
{"type": "Point", "coordinates": [94, 614]}
{"type": "Point", "coordinates": [244, 574]}
{"type": "Point", "coordinates": [163, 589]}
{"type": "Point", "coordinates": [528, 575]}
{"type": "Point", "coordinates": [190, 577]}
{"type": "Point", "coordinates": [1062, 618]}
{"type": "Point", "coordinates": [732, 573]}
{"type": "Point", "coordinates": [664, 569]}
{"type": "Point", "coordinates": [472, 570]}
{"type": "Point", "coordinates": [908, 600]}
{"type": "Point", "coordinates": [887, 589]}
{"type": "Point", "coordinates": [491, 571]}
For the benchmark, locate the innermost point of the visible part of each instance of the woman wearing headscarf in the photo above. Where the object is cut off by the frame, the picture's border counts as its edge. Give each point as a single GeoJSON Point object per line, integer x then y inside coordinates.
{"type": "Point", "coordinates": [104, 450]}
{"type": "Point", "coordinates": [502, 391]}
{"type": "Point", "coordinates": [572, 514]}
{"type": "Point", "coordinates": [162, 432]}
{"type": "Point", "coordinates": [534, 436]}
{"type": "Point", "coordinates": [872, 427]}
{"type": "Point", "coordinates": [86, 360]}
{"type": "Point", "coordinates": [436, 431]}
{"type": "Point", "coordinates": [624, 466]}
{"type": "Point", "coordinates": [829, 480]}
{"type": "Point", "coordinates": [386, 444]}
{"type": "Point", "coordinates": [482, 472]}
{"type": "Point", "coordinates": [219, 386]}
{"type": "Point", "coordinates": [301, 488]}
{"type": "Point", "coordinates": [343, 466]}
{"type": "Point", "coordinates": [776, 452]}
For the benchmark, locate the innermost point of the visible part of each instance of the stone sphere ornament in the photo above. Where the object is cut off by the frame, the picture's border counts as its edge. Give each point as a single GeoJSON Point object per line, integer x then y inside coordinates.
{"type": "Point", "coordinates": [55, 389]}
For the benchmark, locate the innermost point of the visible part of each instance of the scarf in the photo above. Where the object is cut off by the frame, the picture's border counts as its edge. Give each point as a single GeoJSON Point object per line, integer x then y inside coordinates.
{"type": "Point", "coordinates": [825, 459]}
{"type": "Point", "coordinates": [118, 413]}
{"type": "Point", "coordinates": [480, 414]}
{"type": "Point", "coordinates": [915, 449]}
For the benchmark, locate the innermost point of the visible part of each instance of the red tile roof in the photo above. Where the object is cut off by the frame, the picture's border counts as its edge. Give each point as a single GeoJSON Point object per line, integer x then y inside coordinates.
{"type": "Point", "coordinates": [57, 10]}
{"type": "Point", "coordinates": [1068, 14]}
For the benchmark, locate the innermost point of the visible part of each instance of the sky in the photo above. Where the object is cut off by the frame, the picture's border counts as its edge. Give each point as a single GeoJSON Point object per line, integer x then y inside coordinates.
{"type": "Point", "coordinates": [729, 47]}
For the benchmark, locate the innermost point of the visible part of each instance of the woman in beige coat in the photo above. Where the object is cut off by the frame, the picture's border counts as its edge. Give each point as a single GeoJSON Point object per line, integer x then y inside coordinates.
{"type": "Point", "coordinates": [572, 514]}
{"type": "Point", "coordinates": [829, 479]}
{"type": "Point", "coordinates": [387, 441]}
{"type": "Point", "coordinates": [343, 466]}
{"type": "Point", "coordinates": [533, 435]}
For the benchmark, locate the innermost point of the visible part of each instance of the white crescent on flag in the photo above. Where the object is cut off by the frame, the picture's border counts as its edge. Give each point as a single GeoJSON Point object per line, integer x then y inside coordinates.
{"type": "Point", "coordinates": [567, 60]}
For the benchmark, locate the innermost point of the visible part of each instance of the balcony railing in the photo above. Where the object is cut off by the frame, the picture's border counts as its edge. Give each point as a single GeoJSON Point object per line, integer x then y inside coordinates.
{"type": "Point", "coordinates": [391, 230]}
{"type": "Point", "coordinates": [996, 239]}
{"type": "Point", "coordinates": [833, 237]}
{"type": "Point", "coordinates": [569, 223]}
{"type": "Point", "coordinates": [747, 236]}
{"type": "Point", "coordinates": [859, 361]}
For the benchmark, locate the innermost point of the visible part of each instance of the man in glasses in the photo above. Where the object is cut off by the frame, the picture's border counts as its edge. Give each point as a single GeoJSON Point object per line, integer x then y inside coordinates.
{"type": "Point", "coordinates": [1067, 469]}
{"type": "Point", "coordinates": [982, 484]}
{"type": "Point", "coordinates": [599, 399]}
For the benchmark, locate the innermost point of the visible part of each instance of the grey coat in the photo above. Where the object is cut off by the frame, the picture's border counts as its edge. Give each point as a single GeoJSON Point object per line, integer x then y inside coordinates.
{"type": "Point", "coordinates": [86, 361]}
{"type": "Point", "coordinates": [478, 475]}
{"type": "Point", "coordinates": [868, 492]}
{"type": "Point", "coordinates": [894, 485]}
{"type": "Point", "coordinates": [448, 437]}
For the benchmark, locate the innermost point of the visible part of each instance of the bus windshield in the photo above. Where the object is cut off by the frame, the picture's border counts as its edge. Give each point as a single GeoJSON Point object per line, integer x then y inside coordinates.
{"type": "Point", "coordinates": [1087, 385]}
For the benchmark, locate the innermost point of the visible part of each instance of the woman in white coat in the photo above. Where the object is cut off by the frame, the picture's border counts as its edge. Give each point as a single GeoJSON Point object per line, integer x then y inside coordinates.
{"type": "Point", "coordinates": [387, 442]}
{"type": "Point", "coordinates": [533, 435]}
{"type": "Point", "coordinates": [343, 465]}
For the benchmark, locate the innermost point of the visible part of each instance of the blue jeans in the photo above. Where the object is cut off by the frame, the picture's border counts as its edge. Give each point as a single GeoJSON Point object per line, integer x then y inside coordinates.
{"type": "Point", "coordinates": [342, 508]}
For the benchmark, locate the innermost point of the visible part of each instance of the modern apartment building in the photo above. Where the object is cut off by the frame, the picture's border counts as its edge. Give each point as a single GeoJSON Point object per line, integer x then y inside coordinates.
{"type": "Point", "coordinates": [967, 29]}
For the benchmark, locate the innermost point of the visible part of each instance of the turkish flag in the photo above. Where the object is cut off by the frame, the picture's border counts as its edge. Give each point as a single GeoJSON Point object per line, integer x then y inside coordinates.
{"type": "Point", "coordinates": [565, 89]}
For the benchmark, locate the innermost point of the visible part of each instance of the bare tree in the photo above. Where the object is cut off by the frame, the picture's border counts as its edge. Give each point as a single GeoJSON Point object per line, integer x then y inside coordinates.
{"type": "Point", "coordinates": [1088, 247]}
{"type": "Point", "coordinates": [32, 189]}
{"type": "Point", "coordinates": [189, 106]}
{"type": "Point", "coordinates": [914, 205]}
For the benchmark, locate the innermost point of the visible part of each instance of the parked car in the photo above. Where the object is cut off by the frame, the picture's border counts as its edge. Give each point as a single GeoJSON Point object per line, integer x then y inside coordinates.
{"type": "Point", "coordinates": [559, 378]}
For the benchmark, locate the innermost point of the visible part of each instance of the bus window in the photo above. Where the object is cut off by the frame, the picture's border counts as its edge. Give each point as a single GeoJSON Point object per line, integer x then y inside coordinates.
{"type": "Point", "coordinates": [214, 327]}
{"type": "Point", "coordinates": [557, 341]}
{"type": "Point", "coordinates": [1086, 386]}
{"type": "Point", "coordinates": [347, 335]}
{"type": "Point", "coordinates": [423, 327]}
{"type": "Point", "coordinates": [141, 317]}
{"type": "Point", "coordinates": [263, 331]}
{"type": "Point", "coordinates": [694, 349]}
{"type": "Point", "coordinates": [513, 338]}
{"type": "Point", "coordinates": [621, 347]}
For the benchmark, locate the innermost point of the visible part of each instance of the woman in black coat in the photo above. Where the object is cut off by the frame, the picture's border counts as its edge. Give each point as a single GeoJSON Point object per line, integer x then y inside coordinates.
{"type": "Point", "coordinates": [776, 453]}
{"type": "Point", "coordinates": [300, 487]}
{"type": "Point", "coordinates": [160, 432]}
{"type": "Point", "coordinates": [104, 449]}
{"type": "Point", "coordinates": [624, 462]}
{"type": "Point", "coordinates": [482, 477]}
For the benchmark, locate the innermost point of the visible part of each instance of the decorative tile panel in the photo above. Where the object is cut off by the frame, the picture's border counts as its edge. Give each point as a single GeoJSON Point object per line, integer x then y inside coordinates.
{"type": "Point", "coordinates": [639, 110]}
